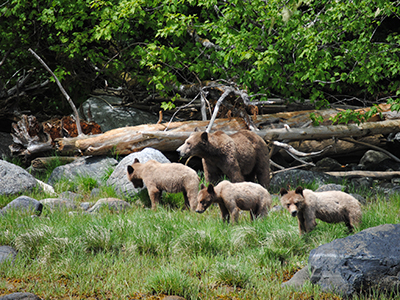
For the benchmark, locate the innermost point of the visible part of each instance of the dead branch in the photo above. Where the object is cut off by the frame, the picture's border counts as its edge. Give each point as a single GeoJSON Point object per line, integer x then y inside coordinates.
{"type": "Point", "coordinates": [71, 103]}
{"type": "Point", "coordinates": [373, 147]}
{"type": "Point", "coordinates": [296, 152]}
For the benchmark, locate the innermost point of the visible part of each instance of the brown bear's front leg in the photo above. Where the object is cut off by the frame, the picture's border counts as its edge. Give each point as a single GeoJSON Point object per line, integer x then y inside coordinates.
{"type": "Point", "coordinates": [211, 172]}
{"type": "Point", "coordinates": [309, 220]}
{"type": "Point", "coordinates": [232, 170]}
{"type": "Point", "coordinates": [154, 195]}
{"type": "Point", "coordinates": [224, 212]}
{"type": "Point", "coordinates": [301, 221]}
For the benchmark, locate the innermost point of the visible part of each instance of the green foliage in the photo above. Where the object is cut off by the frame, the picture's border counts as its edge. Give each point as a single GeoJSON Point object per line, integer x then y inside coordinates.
{"type": "Point", "coordinates": [296, 49]}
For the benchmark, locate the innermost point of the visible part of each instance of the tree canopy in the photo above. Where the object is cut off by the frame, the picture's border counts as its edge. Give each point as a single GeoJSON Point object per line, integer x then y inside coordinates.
{"type": "Point", "coordinates": [326, 51]}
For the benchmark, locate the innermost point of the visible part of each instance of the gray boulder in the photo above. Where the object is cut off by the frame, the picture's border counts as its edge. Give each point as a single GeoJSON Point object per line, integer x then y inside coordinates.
{"type": "Point", "coordinates": [295, 178]}
{"type": "Point", "coordinates": [23, 204]}
{"type": "Point", "coordinates": [58, 203]}
{"type": "Point", "coordinates": [108, 112]}
{"type": "Point", "coordinates": [7, 253]}
{"type": "Point", "coordinates": [368, 259]}
{"type": "Point", "coordinates": [90, 166]}
{"type": "Point", "coordinates": [14, 179]}
{"type": "Point", "coordinates": [298, 279]}
{"type": "Point", "coordinates": [119, 179]}
{"type": "Point", "coordinates": [110, 203]}
{"type": "Point", "coordinates": [20, 296]}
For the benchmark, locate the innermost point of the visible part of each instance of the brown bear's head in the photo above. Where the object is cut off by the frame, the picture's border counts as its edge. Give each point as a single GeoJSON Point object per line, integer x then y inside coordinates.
{"type": "Point", "coordinates": [194, 145]}
{"type": "Point", "coordinates": [205, 198]}
{"type": "Point", "coordinates": [293, 200]}
{"type": "Point", "coordinates": [133, 175]}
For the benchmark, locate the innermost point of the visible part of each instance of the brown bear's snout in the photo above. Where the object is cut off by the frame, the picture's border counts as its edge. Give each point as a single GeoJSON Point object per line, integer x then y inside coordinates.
{"type": "Point", "coordinates": [294, 213]}
{"type": "Point", "coordinates": [200, 211]}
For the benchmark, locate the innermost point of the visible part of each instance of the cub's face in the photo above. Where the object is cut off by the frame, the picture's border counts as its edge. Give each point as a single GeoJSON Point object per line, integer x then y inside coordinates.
{"type": "Point", "coordinates": [133, 177]}
{"type": "Point", "coordinates": [293, 201]}
{"type": "Point", "coordinates": [193, 144]}
{"type": "Point", "coordinates": [205, 198]}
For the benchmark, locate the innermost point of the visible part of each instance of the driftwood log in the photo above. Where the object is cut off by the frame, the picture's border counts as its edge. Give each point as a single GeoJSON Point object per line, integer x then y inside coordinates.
{"type": "Point", "coordinates": [131, 139]}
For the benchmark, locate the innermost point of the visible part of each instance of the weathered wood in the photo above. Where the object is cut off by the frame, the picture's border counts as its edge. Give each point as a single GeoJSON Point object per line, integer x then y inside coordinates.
{"type": "Point", "coordinates": [168, 137]}
{"type": "Point", "coordinates": [131, 139]}
{"type": "Point", "coordinates": [372, 174]}
{"type": "Point", "coordinates": [327, 132]}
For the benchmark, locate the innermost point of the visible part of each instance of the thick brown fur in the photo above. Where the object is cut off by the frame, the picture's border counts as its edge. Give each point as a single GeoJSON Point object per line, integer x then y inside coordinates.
{"type": "Point", "coordinates": [233, 197]}
{"type": "Point", "coordinates": [169, 177]}
{"type": "Point", "coordinates": [242, 156]}
{"type": "Point", "coordinates": [330, 207]}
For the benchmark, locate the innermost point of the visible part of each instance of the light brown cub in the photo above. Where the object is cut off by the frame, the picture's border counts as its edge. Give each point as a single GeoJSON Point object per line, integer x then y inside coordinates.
{"type": "Point", "coordinates": [233, 197]}
{"type": "Point", "coordinates": [330, 207]}
{"type": "Point", "coordinates": [169, 177]}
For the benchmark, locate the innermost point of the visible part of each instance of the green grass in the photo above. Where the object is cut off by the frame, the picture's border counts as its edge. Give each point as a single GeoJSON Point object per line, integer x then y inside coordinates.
{"type": "Point", "coordinates": [144, 254]}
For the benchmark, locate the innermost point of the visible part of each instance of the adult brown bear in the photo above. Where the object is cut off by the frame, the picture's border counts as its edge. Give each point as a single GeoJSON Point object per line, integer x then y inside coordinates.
{"type": "Point", "coordinates": [242, 156]}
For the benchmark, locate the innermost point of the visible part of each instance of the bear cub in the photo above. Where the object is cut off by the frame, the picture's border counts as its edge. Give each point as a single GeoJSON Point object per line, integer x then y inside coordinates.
{"type": "Point", "coordinates": [169, 177]}
{"type": "Point", "coordinates": [330, 207]}
{"type": "Point", "coordinates": [233, 197]}
{"type": "Point", "coordinates": [242, 156]}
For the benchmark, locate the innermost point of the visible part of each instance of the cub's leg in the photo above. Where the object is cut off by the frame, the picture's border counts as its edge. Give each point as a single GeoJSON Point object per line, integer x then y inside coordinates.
{"type": "Point", "coordinates": [224, 212]}
{"type": "Point", "coordinates": [154, 195]}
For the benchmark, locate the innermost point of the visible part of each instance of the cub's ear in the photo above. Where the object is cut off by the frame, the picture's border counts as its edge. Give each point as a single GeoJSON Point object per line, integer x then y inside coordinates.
{"type": "Point", "coordinates": [299, 190]}
{"type": "Point", "coordinates": [210, 189]}
{"type": "Point", "coordinates": [283, 191]}
{"type": "Point", "coordinates": [196, 129]}
{"type": "Point", "coordinates": [136, 161]}
{"type": "Point", "coordinates": [130, 170]}
{"type": "Point", "coordinates": [202, 186]}
{"type": "Point", "coordinates": [204, 137]}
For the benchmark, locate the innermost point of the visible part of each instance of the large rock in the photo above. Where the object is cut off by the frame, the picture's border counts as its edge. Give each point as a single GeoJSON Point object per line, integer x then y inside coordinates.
{"type": "Point", "coordinates": [20, 296]}
{"type": "Point", "coordinates": [295, 178]}
{"type": "Point", "coordinates": [7, 253]}
{"type": "Point", "coordinates": [368, 259]}
{"type": "Point", "coordinates": [23, 204]}
{"type": "Point", "coordinates": [119, 179]}
{"type": "Point", "coordinates": [14, 179]}
{"type": "Point", "coordinates": [108, 112]}
{"type": "Point", "coordinates": [91, 166]}
{"type": "Point", "coordinates": [377, 161]}
{"type": "Point", "coordinates": [111, 204]}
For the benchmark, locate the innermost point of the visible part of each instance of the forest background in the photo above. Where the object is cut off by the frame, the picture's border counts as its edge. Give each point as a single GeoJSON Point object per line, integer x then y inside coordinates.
{"type": "Point", "coordinates": [325, 51]}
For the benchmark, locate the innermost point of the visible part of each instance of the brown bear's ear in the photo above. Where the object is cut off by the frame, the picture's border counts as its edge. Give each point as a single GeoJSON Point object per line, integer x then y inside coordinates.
{"type": "Point", "coordinates": [136, 161]}
{"type": "Point", "coordinates": [283, 191]}
{"type": "Point", "coordinates": [130, 170]}
{"type": "Point", "coordinates": [204, 137]}
{"type": "Point", "coordinates": [210, 189]}
{"type": "Point", "coordinates": [202, 186]}
{"type": "Point", "coordinates": [299, 190]}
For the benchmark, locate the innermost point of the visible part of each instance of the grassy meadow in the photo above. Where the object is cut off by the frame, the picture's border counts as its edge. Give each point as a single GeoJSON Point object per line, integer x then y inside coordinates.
{"type": "Point", "coordinates": [145, 254]}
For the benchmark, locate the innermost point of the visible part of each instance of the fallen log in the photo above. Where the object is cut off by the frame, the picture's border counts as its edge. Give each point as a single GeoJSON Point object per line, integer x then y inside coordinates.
{"type": "Point", "coordinates": [126, 140]}
{"type": "Point", "coordinates": [131, 139]}
{"type": "Point", "coordinates": [372, 174]}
